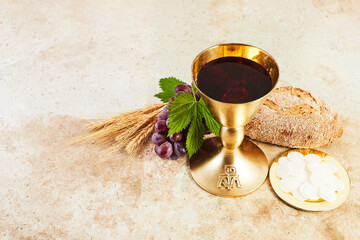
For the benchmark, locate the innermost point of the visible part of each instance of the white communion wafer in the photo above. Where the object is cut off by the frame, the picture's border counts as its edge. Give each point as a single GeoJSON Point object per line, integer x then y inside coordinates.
{"type": "Point", "coordinates": [283, 160]}
{"type": "Point", "coordinates": [327, 194]}
{"type": "Point", "coordinates": [319, 179]}
{"type": "Point", "coordinates": [309, 191]}
{"type": "Point", "coordinates": [300, 175]}
{"type": "Point", "coordinates": [314, 167]}
{"type": "Point", "coordinates": [313, 158]}
{"type": "Point", "coordinates": [297, 195]}
{"type": "Point", "coordinates": [295, 156]}
{"type": "Point", "coordinates": [335, 184]}
{"type": "Point", "coordinates": [310, 166]}
{"type": "Point", "coordinates": [283, 170]}
{"type": "Point", "coordinates": [324, 168]}
{"type": "Point", "coordinates": [330, 166]}
{"type": "Point", "coordinates": [320, 168]}
{"type": "Point", "coordinates": [288, 184]}
{"type": "Point", "coordinates": [297, 165]}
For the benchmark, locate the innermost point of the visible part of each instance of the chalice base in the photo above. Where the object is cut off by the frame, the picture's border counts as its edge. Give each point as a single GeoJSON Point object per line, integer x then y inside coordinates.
{"type": "Point", "coordinates": [229, 173]}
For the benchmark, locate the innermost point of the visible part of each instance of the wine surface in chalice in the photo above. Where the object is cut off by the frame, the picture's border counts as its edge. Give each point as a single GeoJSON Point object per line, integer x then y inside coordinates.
{"type": "Point", "coordinates": [234, 80]}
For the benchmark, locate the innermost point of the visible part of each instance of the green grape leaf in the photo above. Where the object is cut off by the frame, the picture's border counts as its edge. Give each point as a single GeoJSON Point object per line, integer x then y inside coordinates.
{"type": "Point", "coordinates": [195, 136]}
{"type": "Point", "coordinates": [210, 122]}
{"type": "Point", "coordinates": [185, 111]}
{"type": "Point", "coordinates": [167, 86]}
{"type": "Point", "coordinates": [181, 111]}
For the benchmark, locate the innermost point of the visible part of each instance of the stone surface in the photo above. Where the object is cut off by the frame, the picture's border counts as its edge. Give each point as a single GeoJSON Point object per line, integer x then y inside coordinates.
{"type": "Point", "coordinates": [63, 62]}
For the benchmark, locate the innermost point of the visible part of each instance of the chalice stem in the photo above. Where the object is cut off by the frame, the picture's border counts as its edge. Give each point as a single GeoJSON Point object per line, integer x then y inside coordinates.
{"type": "Point", "coordinates": [232, 138]}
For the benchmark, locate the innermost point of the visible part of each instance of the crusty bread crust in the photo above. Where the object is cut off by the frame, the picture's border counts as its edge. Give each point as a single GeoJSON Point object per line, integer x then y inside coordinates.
{"type": "Point", "coordinates": [292, 117]}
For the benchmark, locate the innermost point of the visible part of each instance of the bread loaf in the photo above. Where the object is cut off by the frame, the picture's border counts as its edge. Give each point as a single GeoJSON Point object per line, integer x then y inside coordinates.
{"type": "Point", "coordinates": [292, 117]}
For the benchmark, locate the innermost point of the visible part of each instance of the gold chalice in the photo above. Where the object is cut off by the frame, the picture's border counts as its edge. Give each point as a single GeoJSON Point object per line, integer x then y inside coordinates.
{"type": "Point", "coordinates": [231, 166]}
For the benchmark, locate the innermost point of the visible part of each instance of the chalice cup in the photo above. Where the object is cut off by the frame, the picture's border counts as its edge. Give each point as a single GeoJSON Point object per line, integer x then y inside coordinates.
{"type": "Point", "coordinates": [231, 166]}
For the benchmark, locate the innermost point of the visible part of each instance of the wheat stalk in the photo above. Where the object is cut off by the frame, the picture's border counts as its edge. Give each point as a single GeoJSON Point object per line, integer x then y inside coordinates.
{"type": "Point", "coordinates": [124, 117]}
{"type": "Point", "coordinates": [146, 120]}
{"type": "Point", "coordinates": [126, 131]}
{"type": "Point", "coordinates": [143, 135]}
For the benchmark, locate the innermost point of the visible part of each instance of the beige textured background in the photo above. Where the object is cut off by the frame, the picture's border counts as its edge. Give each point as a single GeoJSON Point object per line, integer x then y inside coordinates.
{"type": "Point", "coordinates": [63, 62]}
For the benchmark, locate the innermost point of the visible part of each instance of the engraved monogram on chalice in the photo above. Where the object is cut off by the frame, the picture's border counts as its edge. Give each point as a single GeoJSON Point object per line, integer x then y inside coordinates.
{"type": "Point", "coordinates": [230, 179]}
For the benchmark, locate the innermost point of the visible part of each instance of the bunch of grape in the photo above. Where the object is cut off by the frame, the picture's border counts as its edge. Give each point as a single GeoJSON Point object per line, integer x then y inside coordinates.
{"type": "Point", "coordinates": [171, 147]}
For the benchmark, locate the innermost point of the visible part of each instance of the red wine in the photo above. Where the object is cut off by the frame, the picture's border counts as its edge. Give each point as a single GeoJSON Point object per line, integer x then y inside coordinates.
{"type": "Point", "coordinates": [234, 80]}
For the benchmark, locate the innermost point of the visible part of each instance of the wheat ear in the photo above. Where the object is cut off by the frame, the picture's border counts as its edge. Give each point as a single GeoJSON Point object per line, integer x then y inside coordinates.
{"type": "Point", "coordinates": [124, 117]}
{"type": "Point", "coordinates": [141, 137]}
{"type": "Point", "coordinates": [127, 131]}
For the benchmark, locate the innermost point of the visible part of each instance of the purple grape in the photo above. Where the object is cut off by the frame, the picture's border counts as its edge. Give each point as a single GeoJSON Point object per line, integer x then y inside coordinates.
{"type": "Point", "coordinates": [160, 127]}
{"type": "Point", "coordinates": [183, 88]}
{"type": "Point", "coordinates": [179, 149]}
{"type": "Point", "coordinates": [173, 156]}
{"type": "Point", "coordinates": [158, 138]}
{"type": "Point", "coordinates": [176, 137]}
{"type": "Point", "coordinates": [164, 150]}
{"type": "Point", "coordinates": [171, 99]}
{"type": "Point", "coordinates": [167, 122]}
{"type": "Point", "coordinates": [197, 96]}
{"type": "Point", "coordinates": [162, 116]}
{"type": "Point", "coordinates": [166, 109]}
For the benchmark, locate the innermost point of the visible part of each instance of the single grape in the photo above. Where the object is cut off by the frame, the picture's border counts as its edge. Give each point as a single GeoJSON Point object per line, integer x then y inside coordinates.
{"type": "Point", "coordinates": [173, 156]}
{"type": "Point", "coordinates": [179, 93]}
{"type": "Point", "coordinates": [162, 116]}
{"type": "Point", "coordinates": [183, 87]}
{"type": "Point", "coordinates": [164, 150]}
{"type": "Point", "coordinates": [171, 99]}
{"type": "Point", "coordinates": [166, 109]}
{"type": "Point", "coordinates": [180, 88]}
{"type": "Point", "coordinates": [158, 138]}
{"type": "Point", "coordinates": [197, 96]}
{"type": "Point", "coordinates": [176, 137]}
{"type": "Point", "coordinates": [179, 149]}
{"type": "Point", "coordinates": [160, 127]}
